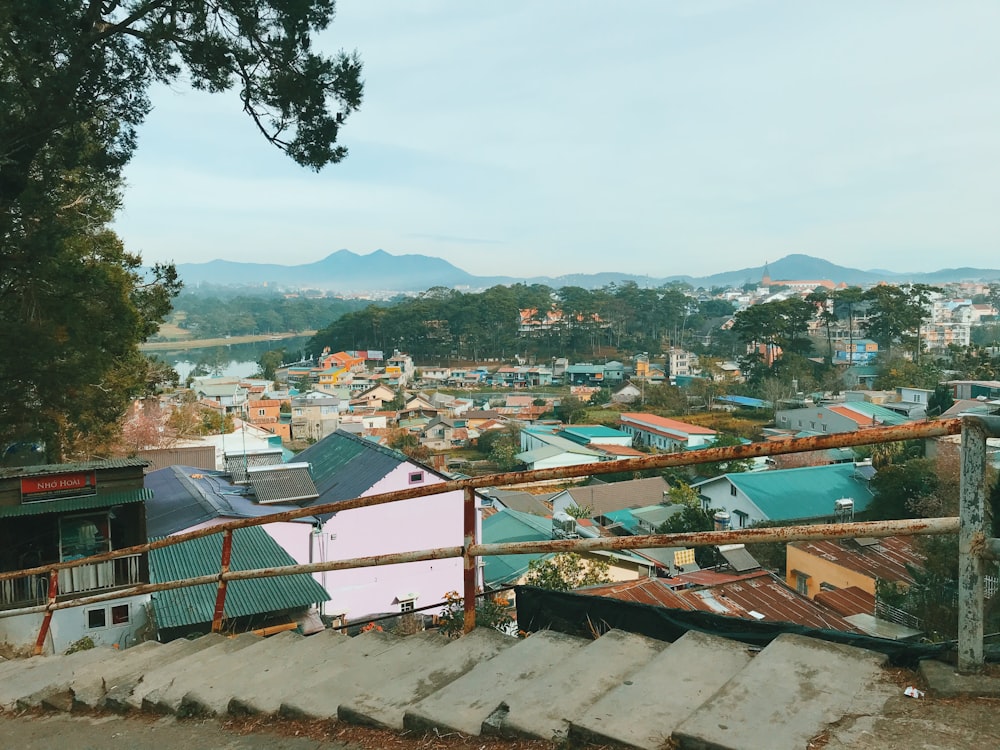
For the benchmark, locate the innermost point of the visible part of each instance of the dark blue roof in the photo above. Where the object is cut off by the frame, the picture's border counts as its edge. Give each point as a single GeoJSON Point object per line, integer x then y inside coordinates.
{"type": "Point", "coordinates": [185, 496]}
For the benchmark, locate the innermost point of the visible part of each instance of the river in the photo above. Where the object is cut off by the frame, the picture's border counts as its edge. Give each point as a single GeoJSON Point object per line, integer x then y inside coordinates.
{"type": "Point", "coordinates": [232, 360]}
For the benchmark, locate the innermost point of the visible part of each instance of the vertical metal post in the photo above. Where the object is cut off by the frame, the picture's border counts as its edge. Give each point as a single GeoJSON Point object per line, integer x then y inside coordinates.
{"type": "Point", "coordinates": [971, 545]}
{"type": "Point", "coordinates": [220, 596]}
{"type": "Point", "coordinates": [47, 619]}
{"type": "Point", "coordinates": [469, 572]}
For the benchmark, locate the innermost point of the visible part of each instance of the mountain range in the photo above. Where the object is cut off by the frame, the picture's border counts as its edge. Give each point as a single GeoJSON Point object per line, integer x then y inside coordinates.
{"type": "Point", "coordinates": [379, 271]}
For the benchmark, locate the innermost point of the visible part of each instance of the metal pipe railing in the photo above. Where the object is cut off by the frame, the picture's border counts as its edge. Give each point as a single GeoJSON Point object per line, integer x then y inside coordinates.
{"type": "Point", "coordinates": [974, 544]}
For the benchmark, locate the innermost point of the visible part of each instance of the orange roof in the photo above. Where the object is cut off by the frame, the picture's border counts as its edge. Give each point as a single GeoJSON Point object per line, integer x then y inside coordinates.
{"type": "Point", "coordinates": [669, 425]}
{"type": "Point", "coordinates": [861, 420]}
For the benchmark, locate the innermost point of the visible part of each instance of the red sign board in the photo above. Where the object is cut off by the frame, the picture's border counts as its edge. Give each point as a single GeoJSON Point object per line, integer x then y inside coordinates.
{"type": "Point", "coordinates": [58, 485]}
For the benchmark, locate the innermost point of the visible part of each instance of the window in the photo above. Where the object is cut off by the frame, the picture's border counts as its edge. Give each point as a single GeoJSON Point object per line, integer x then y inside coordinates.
{"type": "Point", "coordinates": [97, 618]}
{"type": "Point", "coordinates": [262, 412]}
{"type": "Point", "coordinates": [801, 582]}
{"type": "Point", "coordinates": [824, 586]}
{"type": "Point", "coordinates": [120, 614]}
{"type": "Point", "coordinates": [742, 518]}
{"type": "Point", "coordinates": [416, 477]}
{"type": "Point", "coordinates": [406, 606]}
{"type": "Point", "coordinates": [732, 490]}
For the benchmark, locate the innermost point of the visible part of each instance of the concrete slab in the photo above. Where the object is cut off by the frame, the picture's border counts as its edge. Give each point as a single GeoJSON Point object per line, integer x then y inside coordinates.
{"type": "Point", "coordinates": [210, 695]}
{"type": "Point", "coordinates": [147, 697]}
{"type": "Point", "coordinates": [319, 661]}
{"type": "Point", "coordinates": [21, 686]}
{"type": "Point", "coordinates": [58, 696]}
{"type": "Point", "coordinates": [463, 705]}
{"type": "Point", "coordinates": [322, 700]}
{"type": "Point", "coordinates": [117, 684]}
{"type": "Point", "coordinates": [644, 709]}
{"type": "Point", "coordinates": [543, 708]}
{"type": "Point", "coordinates": [944, 681]}
{"type": "Point", "coordinates": [787, 695]}
{"type": "Point", "coordinates": [383, 703]}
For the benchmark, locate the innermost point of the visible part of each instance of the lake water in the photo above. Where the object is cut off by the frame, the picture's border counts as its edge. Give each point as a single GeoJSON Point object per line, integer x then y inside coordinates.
{"type": "Point", "coordinates": [234, 360]}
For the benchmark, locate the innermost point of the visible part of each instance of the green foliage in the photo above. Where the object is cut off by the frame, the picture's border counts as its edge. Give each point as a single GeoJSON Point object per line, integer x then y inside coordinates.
{"type": "Point", "coordinates": [270, 361]}
{"type": "Point", "coordinates": [899, 488]}
{"type": "Point", "coordinates": [576, 511]}
{"type": "Point", "coordinates": [74, 79]}
{"type": "Point", "coordinates": [725, 467]}
{"type": "Point", "coordinates": [502, 447]}
{"type": "Point", "coordinates": [492, 611]}
{"type": "Point", "coordinates": [770, 555]}
{"type": "Point", "coordinates": [692, 518]}
{"type": "Point", "coordinates": [681, 493]}
{"type": "Point", "coordinates": [566, 571]}
{"type": "Point", "coordinates": [83, 644]}
{"type": "Point", "coordinates": [570, 410]}
{"type": "Point", "coordinates": [895, 314]}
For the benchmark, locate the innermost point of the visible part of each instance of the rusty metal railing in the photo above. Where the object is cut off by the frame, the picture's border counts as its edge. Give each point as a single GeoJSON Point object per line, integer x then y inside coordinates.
{"type": "Point", "coordinates": [975, 545]}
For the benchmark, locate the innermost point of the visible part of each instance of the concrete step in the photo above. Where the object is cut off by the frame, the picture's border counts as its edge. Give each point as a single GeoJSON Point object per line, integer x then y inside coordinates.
{"type": "Point", "coordinates": [643, 710]}
{"type": "Point", "coordinates": [147, 694]}
{"type": "Point", "coordinates": [321, 700]}
{"type": "Point", "coordinates": [313, 656]}
{"type": "Point", "coordinates": [787, 695]}
{"type": "Point", "coordinates": [128, 695]}
{"type": "Point", "coordinates": [21, 686]}
{"type": "Point", "coordinates": [382, 703]}
{"type": "Point", "coordinates": [60, 695]}
{"type": "Point", "coordinates": [463, 705]}
{"type": "Point", "coordinates": [120, 679]}
{"type": "Point", "coordinates": [211, 685]}
{"type": "Point", "coordinates": [543, 708]}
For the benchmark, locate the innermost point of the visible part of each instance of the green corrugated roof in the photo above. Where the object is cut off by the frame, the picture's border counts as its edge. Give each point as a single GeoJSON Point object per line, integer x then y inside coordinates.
{"type": "Point", "coordinates": [89, 502]}
{"type": "Point", "coordinates": [807, 492]}
{"type": "Point", "coordinates": [42, 469]}
{"type": "Point", "coordinates": [252, 548]}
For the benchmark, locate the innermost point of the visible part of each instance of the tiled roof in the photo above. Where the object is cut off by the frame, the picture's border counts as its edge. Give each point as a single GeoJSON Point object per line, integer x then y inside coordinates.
{"type": "Point", "coordinates": [888, 560]}
{"type": "Point", "coordinates": [755, 596]}
{"type": "Point", "coordinates": [252, 549]}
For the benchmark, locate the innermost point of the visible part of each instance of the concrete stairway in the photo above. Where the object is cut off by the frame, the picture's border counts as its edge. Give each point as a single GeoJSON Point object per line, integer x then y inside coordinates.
{"type": "Point", "coordinates": [620, 689]}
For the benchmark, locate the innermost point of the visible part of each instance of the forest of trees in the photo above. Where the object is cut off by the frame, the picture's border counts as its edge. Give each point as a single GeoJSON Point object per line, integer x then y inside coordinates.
{"type": "Point", "coordinates": [212, 316]}
{"type": "Point", "coordinates": [443, 323]}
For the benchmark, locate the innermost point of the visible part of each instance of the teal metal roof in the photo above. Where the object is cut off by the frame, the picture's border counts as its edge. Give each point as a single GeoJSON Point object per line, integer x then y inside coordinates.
{"type": "Point", "coordinates": [512, 526]}
{"type": "Point", "coordinates": [629, 522]}
{"type": "Point", "coordinates": [591, 433]}
{"type": "Point", "coordinates": [807, 492]}
{"type": "Point", "coordinates": [252, 548]}
{"type": "Point", "coordinates": [883, 415]}
{"type": "Point", "coordinates": [67, 504]}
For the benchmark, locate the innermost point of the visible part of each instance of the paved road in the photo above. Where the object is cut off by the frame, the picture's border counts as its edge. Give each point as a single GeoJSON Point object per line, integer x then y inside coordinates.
{"type": "Point", "coordinates": [46, 732]}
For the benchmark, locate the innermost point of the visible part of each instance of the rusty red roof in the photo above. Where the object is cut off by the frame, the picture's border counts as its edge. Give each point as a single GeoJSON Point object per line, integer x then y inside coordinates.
{"type": "Point", "coordinates": [846, 602]}
{"type": "Point", "coordinates": [759, 596]}
{"type": "Point", "coordinates": [886, 560]}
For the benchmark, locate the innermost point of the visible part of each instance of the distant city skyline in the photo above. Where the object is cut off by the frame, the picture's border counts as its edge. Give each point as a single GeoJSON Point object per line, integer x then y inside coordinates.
{"type": "Point", "coordinates": [656, 138]}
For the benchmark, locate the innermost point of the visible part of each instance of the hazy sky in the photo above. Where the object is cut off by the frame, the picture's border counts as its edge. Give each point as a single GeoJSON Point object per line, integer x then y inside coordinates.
{"type": "Point", "coordinates": [652, 136]}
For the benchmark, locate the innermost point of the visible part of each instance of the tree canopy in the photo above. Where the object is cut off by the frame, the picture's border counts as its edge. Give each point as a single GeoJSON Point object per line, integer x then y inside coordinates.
{"type": "Point", "coordinates": [74, 80]}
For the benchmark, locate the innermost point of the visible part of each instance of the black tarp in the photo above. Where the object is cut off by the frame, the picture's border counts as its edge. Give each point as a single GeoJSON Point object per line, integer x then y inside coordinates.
{"type": "Point", "coordinates": [580, 614]}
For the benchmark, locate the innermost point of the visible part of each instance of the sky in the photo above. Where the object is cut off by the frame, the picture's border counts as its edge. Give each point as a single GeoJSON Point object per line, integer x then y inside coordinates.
{"type": "Point", "coordinates": [655, 137]}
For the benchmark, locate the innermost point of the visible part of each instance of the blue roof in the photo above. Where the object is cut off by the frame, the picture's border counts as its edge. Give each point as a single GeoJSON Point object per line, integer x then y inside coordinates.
{"type": "Point", "coordinates": [625, 518]}
{"type": "Point", "coordinates": [752, 403]}
{"type": "Point", "coordinates": [512, 526]}
{"type": "Point", "coordinates": [590, 433]}
{"type": "Point", "coordinates": [807, 492]}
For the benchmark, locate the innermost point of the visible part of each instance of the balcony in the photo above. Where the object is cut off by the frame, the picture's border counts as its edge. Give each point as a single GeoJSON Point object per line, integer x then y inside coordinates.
{"type": "Point", "coordinates": [31, 590]}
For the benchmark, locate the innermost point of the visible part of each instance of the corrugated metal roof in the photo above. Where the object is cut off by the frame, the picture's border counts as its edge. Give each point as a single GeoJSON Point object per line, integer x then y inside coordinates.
{"type": "Point", "coordinates": [43, 469]}
{"type": "Point", "coordinates": [65, 504]}
{"type": "Point", "coordinates": [287, 483]}
{"type": "Point", "coordinates": [806, 492]}
{"type": "Point", "coordinates": [753, 596]}
{"type": "Point", "coordinates": [184, 496]}
{"type": "Point", "coordinates": [252, 548]}
{"type": "Point", "coordinates": [890, 559]}
{"type": "Point", "coordinates": [345, 466]}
